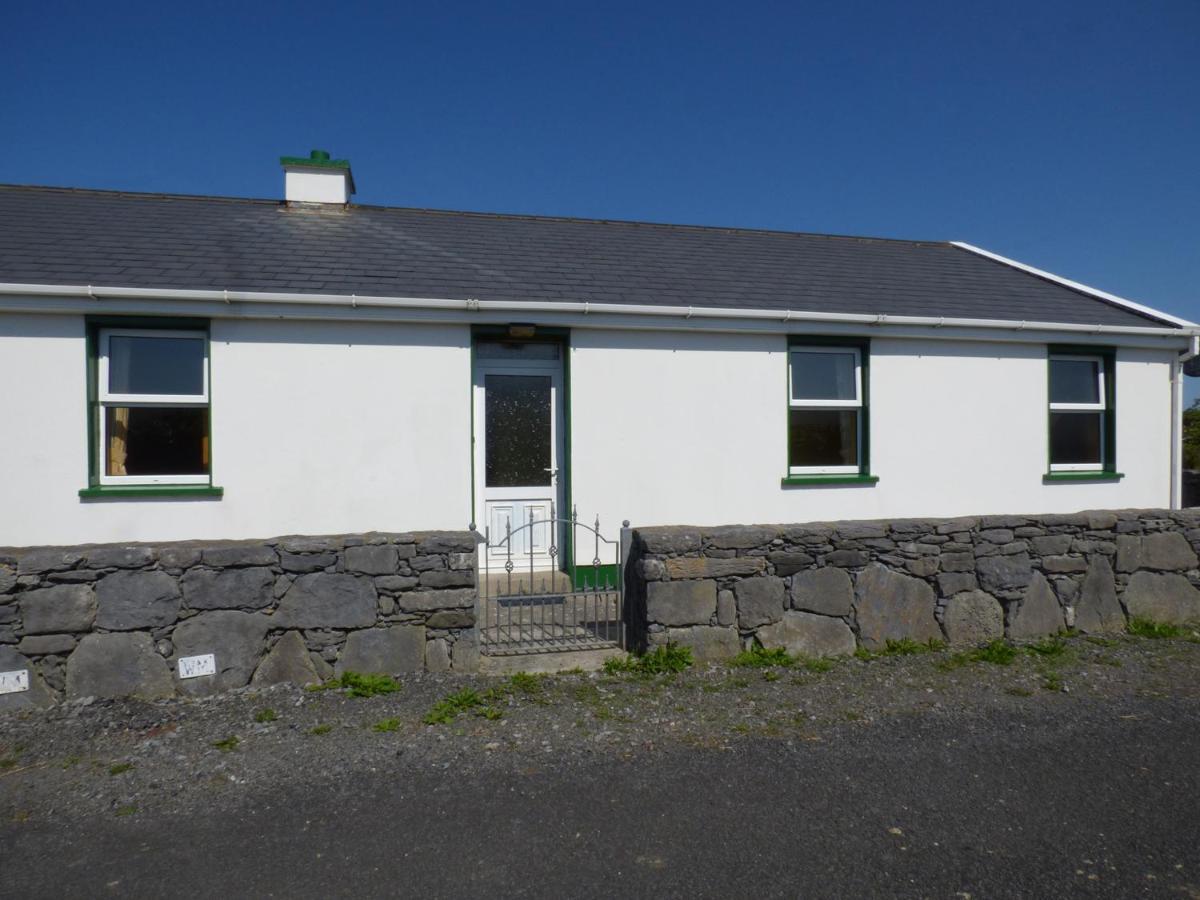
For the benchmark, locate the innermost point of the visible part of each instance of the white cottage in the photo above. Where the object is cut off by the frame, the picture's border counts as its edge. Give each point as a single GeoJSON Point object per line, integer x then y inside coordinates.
{"type": "Point", "coordinates": [180, 367]}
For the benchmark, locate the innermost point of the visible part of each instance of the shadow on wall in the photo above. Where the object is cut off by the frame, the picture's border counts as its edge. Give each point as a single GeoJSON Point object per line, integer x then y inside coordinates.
{"type": "Point", "coordinates": [1191, 488]}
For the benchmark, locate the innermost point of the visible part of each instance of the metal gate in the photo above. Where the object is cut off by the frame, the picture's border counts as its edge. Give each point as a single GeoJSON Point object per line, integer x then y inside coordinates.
{"type": "Point", "coordinates": [524, 609]}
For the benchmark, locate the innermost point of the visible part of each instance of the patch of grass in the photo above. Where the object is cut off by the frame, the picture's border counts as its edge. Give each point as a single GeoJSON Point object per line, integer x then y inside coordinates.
{"type": "Point", "coordinates": [1157, 630]}
{"type": "Point", "coordinates": [320, 729]}
{"type": "Point", "coordinates": [999, 653]}
{"type": "Point", "coordinates": [225, 745]}
{"type": "Point", "coordinates": [357, 684]}
{"type": "Point", "coordinates": [1047, 647]}
{"type": "Point", "coordinates": [770, 675]}
{"type": "Point", "coordinates": [1105, 660]}
{"type": "Point", "coordinates": [659, 661]}
{"type": "Point", "coordinates": [118, 768]}
{"type": "Point", "coordinates": [524, 683]}
{"type": "Point", "coordinates": [817, 664]}
{"type": "Point", "coordinates": [453, 705]}
{"type": "Point", "coordinates": [909, 647]}
{"type": "Point", "coordinates": [762, 658]}
{"type": "Point", "coordinates": [265, 715]}
{"type": "Point", "coordinates": [71, 761]}
{"type": "Point", "coordinates": [384, 725]}
{"type": "Point", "coordinates": [1019, 691]}
{"type": "Point", "coordinates": [7, 762]}
{"type": "Point", "coordinates": [1100, 641]}
{"type": "Point", "coordinates": [125, 810]}
{"type": "Point", "coordinates": [1052, 682]}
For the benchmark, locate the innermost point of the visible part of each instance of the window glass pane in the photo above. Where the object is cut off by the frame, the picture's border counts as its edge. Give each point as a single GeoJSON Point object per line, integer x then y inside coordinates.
{"type": "Point", "coordinates": [155, 440]}
{"type": "Point", "coordinates": [1075, 438]}
{"type": "Point", "coordinates": [823, 437]}
{"type": "Point", "coordinates": [155, 365]}
{"type": "Point", "coordinates": [517, 430]}
{"type": "Point", "coordinates": [823, 376]}
{"type": "Point", "coordinates": [1074, 381]}
{"type": "Point", "coordinates": [514, 350]}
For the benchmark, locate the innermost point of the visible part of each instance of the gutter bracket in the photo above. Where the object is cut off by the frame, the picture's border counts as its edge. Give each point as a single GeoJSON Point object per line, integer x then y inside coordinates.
{"type": "Point", "coordinates": [92, 293]}
{"type": "Point", "coordinates": [472, 305]}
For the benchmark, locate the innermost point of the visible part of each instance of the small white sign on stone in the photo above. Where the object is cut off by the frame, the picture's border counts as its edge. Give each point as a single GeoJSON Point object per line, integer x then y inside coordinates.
{"type": "Point", "coordinates": [195, 666]}
{"type": "Point", "coordinates": [13, 682]}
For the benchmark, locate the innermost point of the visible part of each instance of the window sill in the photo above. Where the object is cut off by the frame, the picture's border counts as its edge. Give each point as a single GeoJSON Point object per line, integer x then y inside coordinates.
{"type": "Point", "coordinates": [1053, 477]}
{"type": "Point", "coordinates": [803, 480]}
{"type": "Point", "coordinates": [133, 491]}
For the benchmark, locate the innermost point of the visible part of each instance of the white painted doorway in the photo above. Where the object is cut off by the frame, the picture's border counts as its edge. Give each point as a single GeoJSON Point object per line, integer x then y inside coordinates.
{"type": "Point", "coordinates": [518, 402]}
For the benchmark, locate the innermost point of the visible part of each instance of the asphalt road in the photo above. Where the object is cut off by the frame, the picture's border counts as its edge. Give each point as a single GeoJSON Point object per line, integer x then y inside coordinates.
{"type": "Point", "coordinates": [1011, 805]}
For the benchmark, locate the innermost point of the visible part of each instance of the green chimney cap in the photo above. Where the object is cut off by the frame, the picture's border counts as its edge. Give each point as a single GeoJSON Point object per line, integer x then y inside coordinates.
{"type": "Point", "coordinates": [317, 158]}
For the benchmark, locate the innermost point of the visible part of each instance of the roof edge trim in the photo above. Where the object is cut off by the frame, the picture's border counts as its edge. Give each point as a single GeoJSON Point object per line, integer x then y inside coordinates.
{"type": "Point", "coordinates": [1077, 286]}
{"type": "Point", "coordinates": [99, 293]}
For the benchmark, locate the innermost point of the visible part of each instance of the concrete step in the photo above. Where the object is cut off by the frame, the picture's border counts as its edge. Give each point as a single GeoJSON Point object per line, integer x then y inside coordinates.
{"type": "Point", "coordinates": [542, 663]}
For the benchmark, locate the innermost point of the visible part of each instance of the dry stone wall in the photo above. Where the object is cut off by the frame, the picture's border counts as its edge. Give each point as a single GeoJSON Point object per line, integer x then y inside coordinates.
{"type": "Point", "coordinates": [113, 621]}
{"type": "Point", "coordinates": [827, 588]}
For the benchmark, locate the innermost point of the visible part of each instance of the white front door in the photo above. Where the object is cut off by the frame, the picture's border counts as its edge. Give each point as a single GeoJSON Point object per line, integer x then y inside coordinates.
{"type": "Point", "coordinates": [518, 449]}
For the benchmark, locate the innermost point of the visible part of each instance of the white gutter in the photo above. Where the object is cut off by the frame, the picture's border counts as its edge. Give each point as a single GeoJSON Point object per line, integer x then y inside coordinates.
{"type": "Point", "coordinates": [1075, 285]}
{"type": "Point", "coordinates": [1177, 421]}
{"type": "Point", "coordinates": [98, 293]}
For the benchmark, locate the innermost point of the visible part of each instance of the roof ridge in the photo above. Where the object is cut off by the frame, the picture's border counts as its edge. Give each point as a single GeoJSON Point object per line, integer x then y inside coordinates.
{"type": "Point", "coordinates": [530, 217]}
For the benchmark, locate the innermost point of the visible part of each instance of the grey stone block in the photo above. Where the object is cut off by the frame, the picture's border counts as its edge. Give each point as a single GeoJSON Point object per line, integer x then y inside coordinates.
{"type": "Point", "coordinates": [8, 579]}
{"type": "Point", "coordinates": [708, 643]}
{"type": "Point", "coordinates": [958, 562]}
{"type": "Point", "coordinates": [1064, 564]}
{"type": "Point", "coordinates": [118, 665]}
{"type": "Point", "coordinates": [447, 542]}
{"type": "Point", "coordinates": [451, 619]}
{"type": "Point", "coordinates": [704, 567]}
{"type": "Point", "coordinates": [178, 556]}
{"type": "Point", "coordinates": [426, 563]}
{"type": "Point", "coordinates": [740, 537]}
{"type": "Point", "coordinates": [119, 557]}
{"type": "Point", "coordinates": [437, 655]}
{"type": "Point", "coordinates": [50, 559]}
{"type": "Point", "coordinates": [808, 635]}
{"type": "Point", "coordinates": [429, 601]}
{"type": "Point", "coordinates": [306, 562]}
{"type": "Point", "coordinates": [1166, 551]}
{"type": "Point", "coordinates": [236, 640]}
{"type": "Point", "coordinates": [1167, 598]}
{"type": "Point", "coordinates": [46, 644]}
{"type": "Point", "coordinates": [327, 601]}
{"type": "Point", "coordinates": [300, 544]}
{"type": "Point", "coordinates": [670, 541]}
{"type": "Point", "coordinates": [1052, 545]}
{"type": "Point", "coordinates": [788, 562]}
{"type": "Point", "coordinates": [372, 560]}
{"type": "Point", "coordinates": [239, 555]}
{"type": "Point", "coordinates": [38, 695]}
{"type": "Point", "coordinates": [681, 602]}
{"type": "Point", "coordinates": [400, 648]}
{"type": "Point", "coordinates": [1097, 608]}
{"type": "Point", "coordinates": [445, 578]}
{"type": "Point", "coordinates": [998, 574]}
{"type": "Point", "coordinates": [64, 608]}
{"type": "Point", "coordinates": [826, 591]}
{"type": "Point", "coordinates": [857, 531]}
{"type": "Point", "coordinates": [847, 559]}
{"type": "Point", "coordinates": [228, 589]}
{"type": "Point", "coordinates": [891, 606]}
{"type": "Point", "coordinates": [973, 617]}
{"type": "Point", "coordinates": [396, 583]}
{"type": "Point", "coordinates": [133, 600]}
{"type": "Point", "coordinates": [1039, 612]}
{"type": "Point", "coordinates": [759, 601]}
{"type": "Point", "coordinates": [288, 662]}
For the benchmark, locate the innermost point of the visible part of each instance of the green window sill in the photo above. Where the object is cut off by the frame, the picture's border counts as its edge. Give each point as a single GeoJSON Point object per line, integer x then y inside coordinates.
{"type": "Point", "coordinates": [132, 491]}
{"type": "Point", "coordinates": [802, 480]}
{"type": "Point", "coordinates": [1053, 477]}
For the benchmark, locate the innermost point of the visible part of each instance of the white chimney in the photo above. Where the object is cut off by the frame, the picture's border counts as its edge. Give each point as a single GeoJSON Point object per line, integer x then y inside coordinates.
{"type": "Point", "coordinates": [316, 179]}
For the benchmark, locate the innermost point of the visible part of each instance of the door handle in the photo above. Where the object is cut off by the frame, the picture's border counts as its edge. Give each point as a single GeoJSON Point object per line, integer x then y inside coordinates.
{"type": "Point", "coordinates": [553, 472]}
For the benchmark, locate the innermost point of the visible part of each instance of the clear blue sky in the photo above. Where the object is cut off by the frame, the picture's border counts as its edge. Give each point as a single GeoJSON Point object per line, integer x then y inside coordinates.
{"type": "Point", "coordinates": [1064, 134]}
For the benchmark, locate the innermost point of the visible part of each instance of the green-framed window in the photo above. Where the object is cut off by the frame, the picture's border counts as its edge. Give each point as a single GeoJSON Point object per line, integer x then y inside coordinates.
{"type": "Point", "coordinates": [1081, 412]}
{"type": "Point", "coordinates": [149, 410]}
{"type": "Point", "coordinates": [828, 411]}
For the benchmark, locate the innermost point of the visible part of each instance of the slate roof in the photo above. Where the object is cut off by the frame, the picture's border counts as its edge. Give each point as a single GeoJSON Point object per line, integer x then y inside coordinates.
{"type": "Point", "coordinates": [80, 237]}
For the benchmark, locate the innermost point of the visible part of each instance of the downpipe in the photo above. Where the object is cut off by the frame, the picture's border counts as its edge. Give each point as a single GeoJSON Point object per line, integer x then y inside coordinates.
{"type": "Point", "coordinates": [1177, 421]}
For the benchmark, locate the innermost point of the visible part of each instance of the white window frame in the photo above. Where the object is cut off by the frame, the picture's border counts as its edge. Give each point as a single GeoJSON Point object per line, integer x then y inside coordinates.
{"type": "Point", "coordinates": [1100, 407]}
{"type": "Point", "coordinates": [106, 399]}
{"type": "Point", "coordinates": [856, 404]}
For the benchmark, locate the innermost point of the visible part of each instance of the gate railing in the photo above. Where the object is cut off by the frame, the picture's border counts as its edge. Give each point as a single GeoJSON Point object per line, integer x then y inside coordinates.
{"type": "Point", "coordinates": [528, 606]}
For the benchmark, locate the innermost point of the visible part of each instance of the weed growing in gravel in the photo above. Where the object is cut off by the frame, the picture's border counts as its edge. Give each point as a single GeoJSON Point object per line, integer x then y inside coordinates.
{"type": "Point", "coordinates": [453, 705]}
{"type": "Point", "coordinates": [265, 715]}
{"type": "Point", "coordinates": [360, 685]}
{"type": "Point", "coordinates": [524, 683]}
{"type": "Point", "coordinates": [1100, 641]}
{"type": "Point", "coordinates": [761, 657]}
{"type": "Point", "coordinates": [817, 664]}
{"type": "Point", "coordinates": [1053, 682]}
{"type": "Point", "coordinates": [1047, 647]}
{"type": "Point", "coordinates": [320, 729]}
{"type": "Point", "coordinates": [126, 810]}
{"type": "Point", "coordinates": [659, 661]}
{"type": "Point", "coordinates": [902, 647]}
{"type": "Point", "coordinates": [385, 725]}
{"type": "Point", "coordinates": [118, 768]}
{"type": "Point", "coordinates": [1105, 660]}
{"type": "Point", "coordinates": [1019, 691]}
{"type": "Point", "coordinates": [227, 744]}
{"type": "Point", "coordinates": [7, 762]}
{"type": "Point", "coordinates": [770, 675]}
{"type": "Point", "coordinates": [1147, 629]}
{"type": "Point", "coordinates": [999, 653]}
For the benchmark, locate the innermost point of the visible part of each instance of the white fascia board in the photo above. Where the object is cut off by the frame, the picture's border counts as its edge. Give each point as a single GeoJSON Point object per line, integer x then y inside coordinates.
{"type": "Point", "coordinates": [89, 299]}
{"type": "Point", "coordinates": [1075, 285]}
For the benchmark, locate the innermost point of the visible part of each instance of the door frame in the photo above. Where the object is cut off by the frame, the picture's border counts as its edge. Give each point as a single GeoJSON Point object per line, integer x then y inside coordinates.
{"type": "Point", "coordinates": [563, 494]}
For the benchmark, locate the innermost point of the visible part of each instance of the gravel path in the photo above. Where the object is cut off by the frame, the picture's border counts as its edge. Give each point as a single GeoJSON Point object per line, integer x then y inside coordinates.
{"type": "Point", "coordinates": [119, 760]}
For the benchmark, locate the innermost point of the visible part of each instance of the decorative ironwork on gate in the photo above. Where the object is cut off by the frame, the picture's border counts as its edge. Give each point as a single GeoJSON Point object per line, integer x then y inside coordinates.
{"type": "Point", "coordinates": [528, 605]}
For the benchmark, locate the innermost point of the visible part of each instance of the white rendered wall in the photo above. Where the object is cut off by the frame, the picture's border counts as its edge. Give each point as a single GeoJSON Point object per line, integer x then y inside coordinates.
{"type": "Point", "coordinates": [318, 428]}
{"type": "Point", "coordinates": [316, 185]}
{"type": "Point", "coordinates": [689, 428]}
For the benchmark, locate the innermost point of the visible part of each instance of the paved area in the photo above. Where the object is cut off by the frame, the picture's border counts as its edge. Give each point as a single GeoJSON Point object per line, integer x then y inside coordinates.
{"type": "Point", "coordinates": [1082, 792]}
